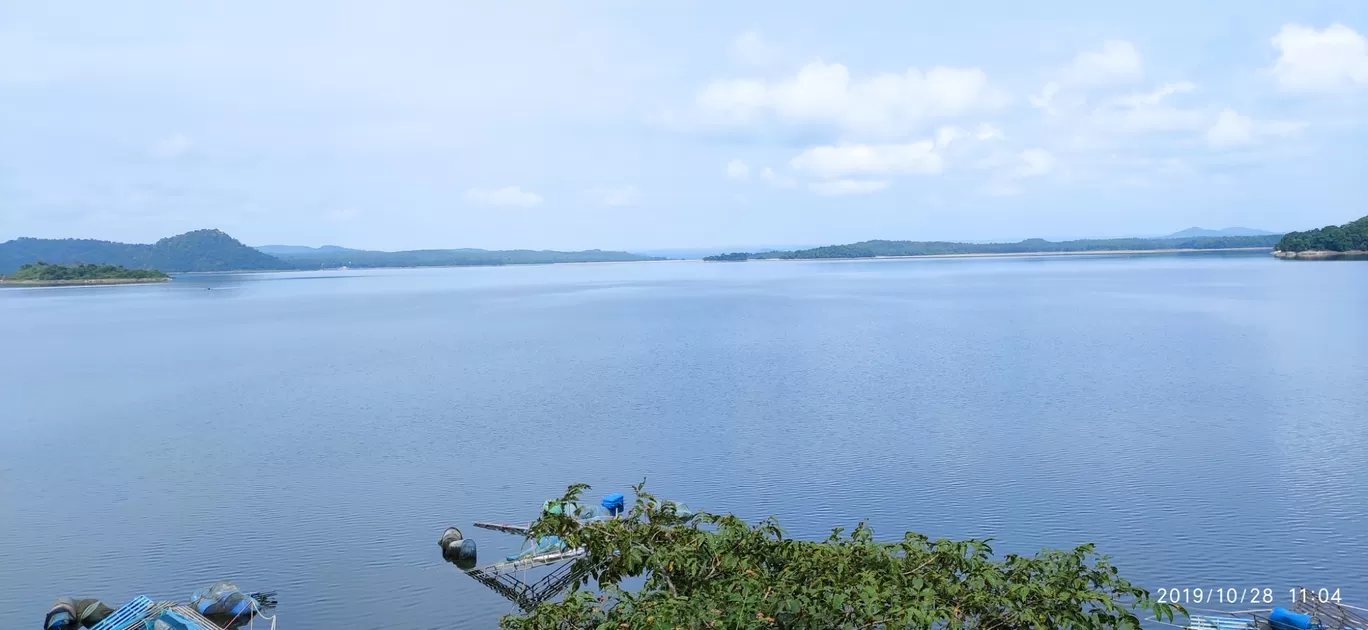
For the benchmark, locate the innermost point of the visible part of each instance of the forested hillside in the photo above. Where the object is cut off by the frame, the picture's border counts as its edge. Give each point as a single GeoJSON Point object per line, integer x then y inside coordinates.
{"type": "Point", "coordinates": [1352, 236]}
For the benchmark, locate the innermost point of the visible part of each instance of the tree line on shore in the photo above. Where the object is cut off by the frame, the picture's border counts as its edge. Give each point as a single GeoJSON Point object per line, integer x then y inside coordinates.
{"type": "Point", "coordinates": [876, 248]}
{"type": "Point", "coordinates": [44, 272]}
{"type": "Point", "coordinates": [1350, 237]}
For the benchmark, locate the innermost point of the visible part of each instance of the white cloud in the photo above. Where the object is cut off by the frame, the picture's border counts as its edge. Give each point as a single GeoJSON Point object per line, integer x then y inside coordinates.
{"type": "Point", "coordinates": [1157, 96]}
{"type": "Point", "coordinates": [1233, 129]}
{"type": "Point", "coordinates": [173, 146]}
{"type": "Point", "coordinates": [988, 132]}
{"type": "Point", "coordinates": [1149, 112]}
{"type": "Point", "coordinates": [775, 180]}
{"type": "Point", "coordinates": [842, 187]}
{"type": "Point", "coordinates": [1033, 163]}
{"type": "Point", "coordinates": [1117, 62]}
{"type": "Point", "coordinates": [506, 196]}
{"type": "Point", "coordinates": [736, 169]}
{"type": "Point", "coordinates": [752, 49]}
{"type": "Point", "coordinates": [946, 135]}
{"type": "Point", "coordinates": [1313, 60]}
{"type": "Point", "coordinates": [343, 214]}
{"type": "Point", "coordinates": [958, 136]}
{"type": "Point", "coordinates": [823, 93]}
{"type": "Point", "coordinates": [847, 159]}
{"type": "Point", "coordinates": [1045, 100]}
{"type": "Point", "coordinates": [1002, 189]}
{"type": "Point", "coordinates": [619, 197]}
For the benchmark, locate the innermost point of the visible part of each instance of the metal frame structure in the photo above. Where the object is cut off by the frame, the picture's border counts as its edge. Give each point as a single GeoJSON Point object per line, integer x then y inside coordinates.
{"type": "Point", "coordinates": [141, 609]}
{"type": "Point", "coordinates": [504, 579]}
{"type": "Point", "coordinates": [1324, 616]}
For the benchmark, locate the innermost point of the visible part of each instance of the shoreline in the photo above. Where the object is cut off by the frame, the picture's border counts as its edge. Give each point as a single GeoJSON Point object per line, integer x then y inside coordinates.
{"type": "Point", "coordinates": [80, 283]}
{"type": "Point", "coordinates": [1100, 252]}
{"type": "Point", "coordinates": [1320, 254]}
{"type": "Point", "coordinates": [117, 281]}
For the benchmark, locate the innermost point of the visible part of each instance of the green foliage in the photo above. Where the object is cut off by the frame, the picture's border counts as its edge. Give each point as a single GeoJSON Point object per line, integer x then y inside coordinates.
{"type": "Point", "coordinates": [1352, 236]}
{"type": "Point", "coordinates": [732, 257]}
{"type": "Point", "coordinates": [871, 249]}
{"type": "Point", "coordinates": [719, 572]}
{"type": "Point", "coordinates": [43, 272]}
{"type": "Point", "coordinates": [327, 259]}
{"type": "Point", "coordinates": [200, 250]}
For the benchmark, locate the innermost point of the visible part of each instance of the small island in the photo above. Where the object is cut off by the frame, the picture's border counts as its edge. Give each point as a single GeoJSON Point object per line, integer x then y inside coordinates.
{"type": "Point", "coordinates": [732, 257]}
{"type": "Point", "coordinates": [1332, 241]}
{"type": "Point", "coordinates": [44, 274]}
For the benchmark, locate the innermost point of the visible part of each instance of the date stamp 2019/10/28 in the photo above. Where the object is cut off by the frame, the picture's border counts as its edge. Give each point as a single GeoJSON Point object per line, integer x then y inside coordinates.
{"type": "Point", "coordinates": [1247, 595]}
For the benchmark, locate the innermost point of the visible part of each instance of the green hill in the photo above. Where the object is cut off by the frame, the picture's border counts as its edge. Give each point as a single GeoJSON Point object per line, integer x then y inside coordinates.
{"type": "Point", "coordinates": [1350, 237]}
{"type": "Point", "coordinates": [200, 250]}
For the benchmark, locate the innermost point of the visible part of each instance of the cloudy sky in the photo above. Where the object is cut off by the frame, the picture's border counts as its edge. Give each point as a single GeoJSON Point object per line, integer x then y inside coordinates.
{"type": "Point", "coordinates": [671, 124]}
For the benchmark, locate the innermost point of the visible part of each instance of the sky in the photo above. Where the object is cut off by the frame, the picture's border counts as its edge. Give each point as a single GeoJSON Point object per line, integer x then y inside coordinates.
{"type": "Point", "coordinates": [634, 125]}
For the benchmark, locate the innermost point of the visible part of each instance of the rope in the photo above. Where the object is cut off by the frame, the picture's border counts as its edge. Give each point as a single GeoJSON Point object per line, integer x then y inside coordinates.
{"type": "Point", "coordinates": [253, 611]}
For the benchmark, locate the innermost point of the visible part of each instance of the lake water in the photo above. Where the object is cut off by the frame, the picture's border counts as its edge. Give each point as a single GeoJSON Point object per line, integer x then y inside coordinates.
{"type": "Point", "coordinates": [1201, 418]}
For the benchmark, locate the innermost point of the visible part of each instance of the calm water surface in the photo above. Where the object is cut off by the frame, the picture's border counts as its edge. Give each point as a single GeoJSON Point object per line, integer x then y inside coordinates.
{"type": "Point", "coordinates": [1201, 418]}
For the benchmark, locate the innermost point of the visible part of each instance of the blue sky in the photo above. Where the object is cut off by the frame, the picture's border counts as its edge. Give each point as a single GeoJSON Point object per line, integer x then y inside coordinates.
{"type": "Point", "coordinates": [633, 125]}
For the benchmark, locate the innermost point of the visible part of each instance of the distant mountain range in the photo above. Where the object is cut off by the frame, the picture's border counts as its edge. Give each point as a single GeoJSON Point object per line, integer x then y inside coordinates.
{"type": "Point", "coordinates": [300, 249]}
{"type": "Point", "coordinates": [329, 257]}
{"type": "Point", "coordinates": [879, 248]}
{"type": "Point", "coordinates": [212, 250]}
{"type": "Point", "coordinates": [1194, 232]}
{"type": "Point", "coordinates": [695, 253]}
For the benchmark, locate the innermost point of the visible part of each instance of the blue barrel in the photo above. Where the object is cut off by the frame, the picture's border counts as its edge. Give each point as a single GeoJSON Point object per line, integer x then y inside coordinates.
{"type": "Point", "coordinates": [1284, 619]}
{"type": "Point", "coordinates": [614, 503]}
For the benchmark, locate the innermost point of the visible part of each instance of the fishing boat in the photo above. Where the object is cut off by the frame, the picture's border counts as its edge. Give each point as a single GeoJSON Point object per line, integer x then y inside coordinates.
{"type": "Point", "coordinates": [220, 606]}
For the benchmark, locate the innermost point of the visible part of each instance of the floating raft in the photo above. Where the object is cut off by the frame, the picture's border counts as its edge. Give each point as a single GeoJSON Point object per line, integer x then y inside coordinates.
{"type": "Point", "coordinates": [144, 613]}
{"type": "Point", "coordinates": [510, 577]}
{"type": "Point", "coordinates": [217, 607]}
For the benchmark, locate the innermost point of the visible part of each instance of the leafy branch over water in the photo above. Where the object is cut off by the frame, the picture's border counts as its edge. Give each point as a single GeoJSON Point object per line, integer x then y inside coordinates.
{"type": "Point", "coordinates": [715, 571]}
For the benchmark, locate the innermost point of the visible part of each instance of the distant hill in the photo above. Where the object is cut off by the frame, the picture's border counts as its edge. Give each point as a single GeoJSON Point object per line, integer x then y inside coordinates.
{"type": "Point", "coordinates": [1195, 232]}
{"type": "Point", "coordinates": [300, 249]}
{"type": "Point", "coordinates": [450, 258]}
{"type": "Point", "coordinates": [1350, 237]}
{"type": "Point", "coordinates": [200, 250]}
{"type": "Point", "coordinates": [695, 253]}
{"type": "Point", "coordinates": [874, 249]}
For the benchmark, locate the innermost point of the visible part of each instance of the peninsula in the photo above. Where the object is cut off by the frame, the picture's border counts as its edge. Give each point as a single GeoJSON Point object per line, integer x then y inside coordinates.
{"type": "Point", "coordinates": [43, 274]}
